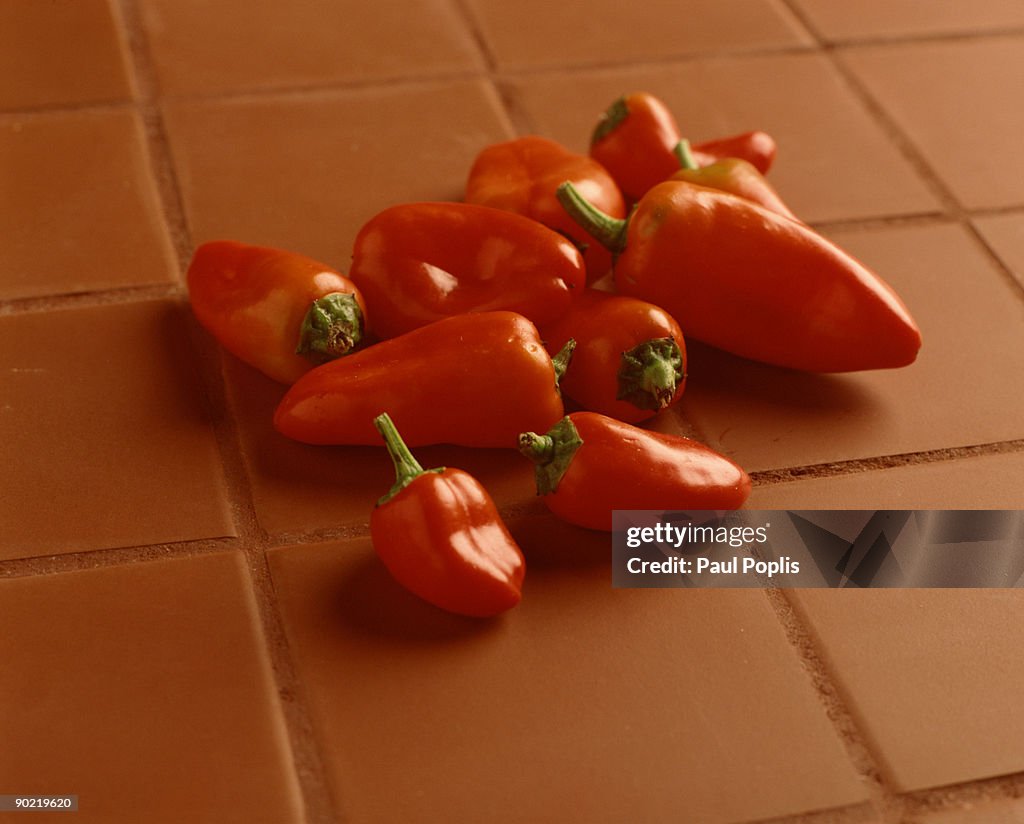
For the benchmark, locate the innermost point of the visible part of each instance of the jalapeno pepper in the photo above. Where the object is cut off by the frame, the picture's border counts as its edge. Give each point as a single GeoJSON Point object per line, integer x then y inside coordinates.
{"type": "Point", "coordinates": [475, 380]}
{"type": "Point", "coordinates": [637, 141]}
{"type": "Point", "coordinates": [589, 465]}
{"type": "Point", "coordinates": [278, 311]}
{"type": "Point", "coordinates": [753, 282]}
{"type": "Point", "coordinates": [417, 263]}
{"type": "Point", "coordinates": [440, 536]}
{"type": "Point", "coordinates": [733, 175]}
{"type": "Point", "coordinates": [630, 357]}
{"type": "Point", "coordinates": [523, 175]}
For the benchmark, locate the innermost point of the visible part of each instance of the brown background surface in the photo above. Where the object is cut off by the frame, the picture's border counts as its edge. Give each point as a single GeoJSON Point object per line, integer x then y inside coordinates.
{"type": "Point", "coordinates": [193, 626]}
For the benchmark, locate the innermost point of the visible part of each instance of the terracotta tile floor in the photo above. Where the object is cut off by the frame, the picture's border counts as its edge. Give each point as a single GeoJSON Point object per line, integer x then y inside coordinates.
{"type": "Point", "coordinates": [194, 625]}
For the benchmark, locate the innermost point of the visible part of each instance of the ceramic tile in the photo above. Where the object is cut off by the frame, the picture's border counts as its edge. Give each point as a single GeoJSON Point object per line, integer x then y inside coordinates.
{"type": "Point", "coordinates": [78, 208]}
{"type": "Point", "coordinates": [983, 482]}
{"type": "Point", "coordinates": [91, 66]}
{"type": "Point", "coordinates": [306, 173]}
{"type": "Point", "coordinates": [831, 140]}
{"type": "Point", "coordinates": [956, 394]}
{"type": "Point", "coordinates": [1005, 234]}
{"type": "Point", "coordinates": [933, 677]}
{"type": "Point", "coordinates": [231, 45]}
{"type": "Point", "coordinates": [1008, 811]}
{"type": "Point", "coordinates": [839, 20]}
{"type": "Point", "coordinates": [595, 695]}
{"type": "Point", "coordinates": [532, 33]}
{"type": "Point", "coordinates": [146, 691]}
{"type": "Point", "coordinates": [105, 436]}
{"type": "Point", "coordinates": [299, 488]}
{"type": "Point", "coordinates": [950, 100]}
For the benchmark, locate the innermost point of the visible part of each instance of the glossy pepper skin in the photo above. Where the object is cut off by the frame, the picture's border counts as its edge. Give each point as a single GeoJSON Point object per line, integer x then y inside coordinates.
{"type": "Point", "coordinates": [756, 147]}
{"type": "Point", "coordinates": [417, 263]}
{"type": "Point", "coordinates": [630, 356]}
{"type": "Point", "coordinates": [637, 140]}
{"type": "Point", "coordinates": [589, 465]}
{"type": "Point", "coordinates": [523, 176]}
{"type": "Point", "coordinates": [440, 536]}
{"type": "Point", "coordinates": [278, 311]}
{"type": "Point", "coordinates": [473, 380]}
{"type": "Point", "coordinates": [733, 175]}
{"type": "Point", "coordinates": [757, 284]}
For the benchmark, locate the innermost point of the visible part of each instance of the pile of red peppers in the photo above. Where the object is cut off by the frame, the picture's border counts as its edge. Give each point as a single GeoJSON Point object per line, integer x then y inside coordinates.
{"type": "Point", "coordinates": [562, 283]}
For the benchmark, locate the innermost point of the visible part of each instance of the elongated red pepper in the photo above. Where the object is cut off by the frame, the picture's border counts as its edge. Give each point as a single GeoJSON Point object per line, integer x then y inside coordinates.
{"type": "Point", "coordinates": [733, 175]}
{"type": "Point", "coordinates": [417, 263]}
{"type": "Point", "coordinates": [630, 356]}
{"type": "Point", "coordinates": [753, 282]}
{"type": "Point", "coordinates": [589, 465]}
{"type": "Point", "coordinates": [523, 176]}
{"type": "Point", "coordinates": [276, 310]}
{"type": "Point", "coordinates": [756, 147]}
{"type": "Point", "coordinates": [440, 535]}
{"type": "Point", "coordinates": [637, 140]}
{"type": "Point", "coordinates": [475, 380]}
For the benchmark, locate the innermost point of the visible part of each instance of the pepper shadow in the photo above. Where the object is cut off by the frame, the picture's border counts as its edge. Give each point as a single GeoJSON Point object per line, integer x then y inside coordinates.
{"type": "Point", "coordinates": [370, 602]}
{"type": "Point", "coordinates": [715, 371]}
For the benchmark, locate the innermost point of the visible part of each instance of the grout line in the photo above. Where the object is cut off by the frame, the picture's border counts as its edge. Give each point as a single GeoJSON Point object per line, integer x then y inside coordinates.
{"type": "Point", "coordinates": [808, 649]}
{"type": "Point", "coordinates": [838, 468]}
{"type": "Point", "coordinates": [305, 754]}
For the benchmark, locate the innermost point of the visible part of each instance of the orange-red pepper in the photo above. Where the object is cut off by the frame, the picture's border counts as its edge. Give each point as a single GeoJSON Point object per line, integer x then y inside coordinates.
{"type": "Point", "coordinates": [523, 176]}
{"type": "Point", "coordinates": [589, 465]}
{"type": "Point", "coordinates": [476, 380]}
{"type": "Point", "coordinates": [637, 140]}
{"type": "Point", "coordinates": [753, 282]}
{"type": "Point", "coordinates": [417, 263]}
{"type": "Point", "coordinates": [276, 310]}
{"type": "Point", "coordinates": [733, 175]}
{"type": "Point", "coordinates": [756, 147]}
{"type": "Point", "coordinates": [630, 356]}
{"type": "Point", "coordinates": [440, 536]}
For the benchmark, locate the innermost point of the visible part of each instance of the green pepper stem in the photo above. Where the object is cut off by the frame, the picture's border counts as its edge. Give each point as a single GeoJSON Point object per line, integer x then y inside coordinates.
{"type": "Point", "coordinates": [685, 154]}
{"type": "Point", "coordinates": [609, 231]}
{"type": "Point", "coordinates": [551, 453]}
{"type": "Point", "coordinates": [610, 120]}
{"type": "Point", "coordinates": [650, 373]}
{"type": "Point", "coordinates": [407, 468]}
{"type": "Point", "coordinates": [562, 359]}
{"type": "Point", "coordinates": [332, 327]}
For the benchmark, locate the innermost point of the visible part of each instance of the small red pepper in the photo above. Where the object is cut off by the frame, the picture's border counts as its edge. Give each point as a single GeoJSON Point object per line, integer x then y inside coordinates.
{"type": "Point", "coordinates": [733, 175]}
{"type": "Point", "coordinates": [756, 147]}
{"type": "Point", "coordinates": [278, 311]}
{"type": "Point", "coordinates": [417, 263]}
{"type": "Point", "coordinates": [589, 465]}
{"type": "Point", "coordinates": [753, 282]}
{"type": "Point", "coordinates": [637, 140]}
{"type": "Point", "coordinates": [440, 536]}
{"type": "Point", "coordinates": [523, 175]}
{"type": "Point", "coordinates": [630, 357]}
{"type": "Point", "coordinates": [475, 380]}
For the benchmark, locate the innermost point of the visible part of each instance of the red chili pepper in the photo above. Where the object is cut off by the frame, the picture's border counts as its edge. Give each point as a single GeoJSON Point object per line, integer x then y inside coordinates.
{"type": "Point", "coordinates": [475, 380]}
{"type": "Point", "coordinates": [630, 357]}
{"type": "Point", "coordinates": [757, 148]}
{"type": "Point", "coordinates": [523, 175]}
{"type": "Point", "coordinates": [637, 140]}
{"type": "Point", "coordinates": [440, 535]}
{"type": "Point", "coordinates": [753, 282]}
{"type": "Point", "coordinates": [589, 465]}
{"type": "Point", "coordinates": [276, 310]}
{"type": "Point", "coordinates": [417, 263]}
{"type": "Point", "coordinates": [733, 175]}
